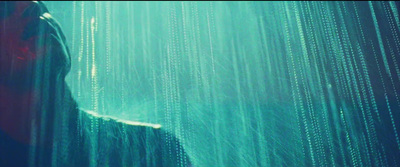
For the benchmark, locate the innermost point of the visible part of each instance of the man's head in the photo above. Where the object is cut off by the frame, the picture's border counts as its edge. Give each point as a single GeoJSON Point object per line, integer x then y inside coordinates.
{"type": "Point", "coordinates": [32, 45]}
{"type": "Point", "coordinates": [34, 60]}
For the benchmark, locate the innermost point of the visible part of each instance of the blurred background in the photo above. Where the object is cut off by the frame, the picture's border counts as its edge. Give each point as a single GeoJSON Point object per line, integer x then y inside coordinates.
{"type": "Point", "coordinates": [245, 83]}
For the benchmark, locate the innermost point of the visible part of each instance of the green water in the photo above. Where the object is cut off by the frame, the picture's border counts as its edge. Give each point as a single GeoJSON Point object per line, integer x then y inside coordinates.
{"type": "Point", "coordinates": [245, 83]}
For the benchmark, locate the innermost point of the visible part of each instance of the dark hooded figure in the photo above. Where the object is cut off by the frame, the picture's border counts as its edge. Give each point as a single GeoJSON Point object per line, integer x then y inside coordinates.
{"type": "Point", "coordinates": [40, 123]}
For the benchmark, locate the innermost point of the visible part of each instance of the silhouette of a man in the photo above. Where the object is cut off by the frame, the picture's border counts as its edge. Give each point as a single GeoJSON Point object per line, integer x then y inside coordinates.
{"type": "Point", "coordinates": [40, 123]}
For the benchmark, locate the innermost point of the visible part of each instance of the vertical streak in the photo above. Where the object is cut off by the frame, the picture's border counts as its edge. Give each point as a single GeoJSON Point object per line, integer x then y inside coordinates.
{"type": "Point", "coordinates": [378, 33]}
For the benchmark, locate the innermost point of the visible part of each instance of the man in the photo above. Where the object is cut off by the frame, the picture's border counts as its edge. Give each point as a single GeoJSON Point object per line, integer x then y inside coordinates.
{"type": "Point", "coordinates": [40, 123]}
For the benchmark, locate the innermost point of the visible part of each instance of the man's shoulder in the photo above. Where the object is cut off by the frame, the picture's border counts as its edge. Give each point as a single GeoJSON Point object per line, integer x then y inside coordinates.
{"type": "Point", "coordinates": [113, 122]}
{"type": "Point", "coordinates": [149, 141]}
{"type": "Point", "coordinates": [112, 128]}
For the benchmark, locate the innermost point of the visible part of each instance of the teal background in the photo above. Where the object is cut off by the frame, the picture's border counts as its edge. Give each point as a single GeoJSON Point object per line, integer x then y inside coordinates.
{"type": "Point", "coordinates": [245, 83]}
